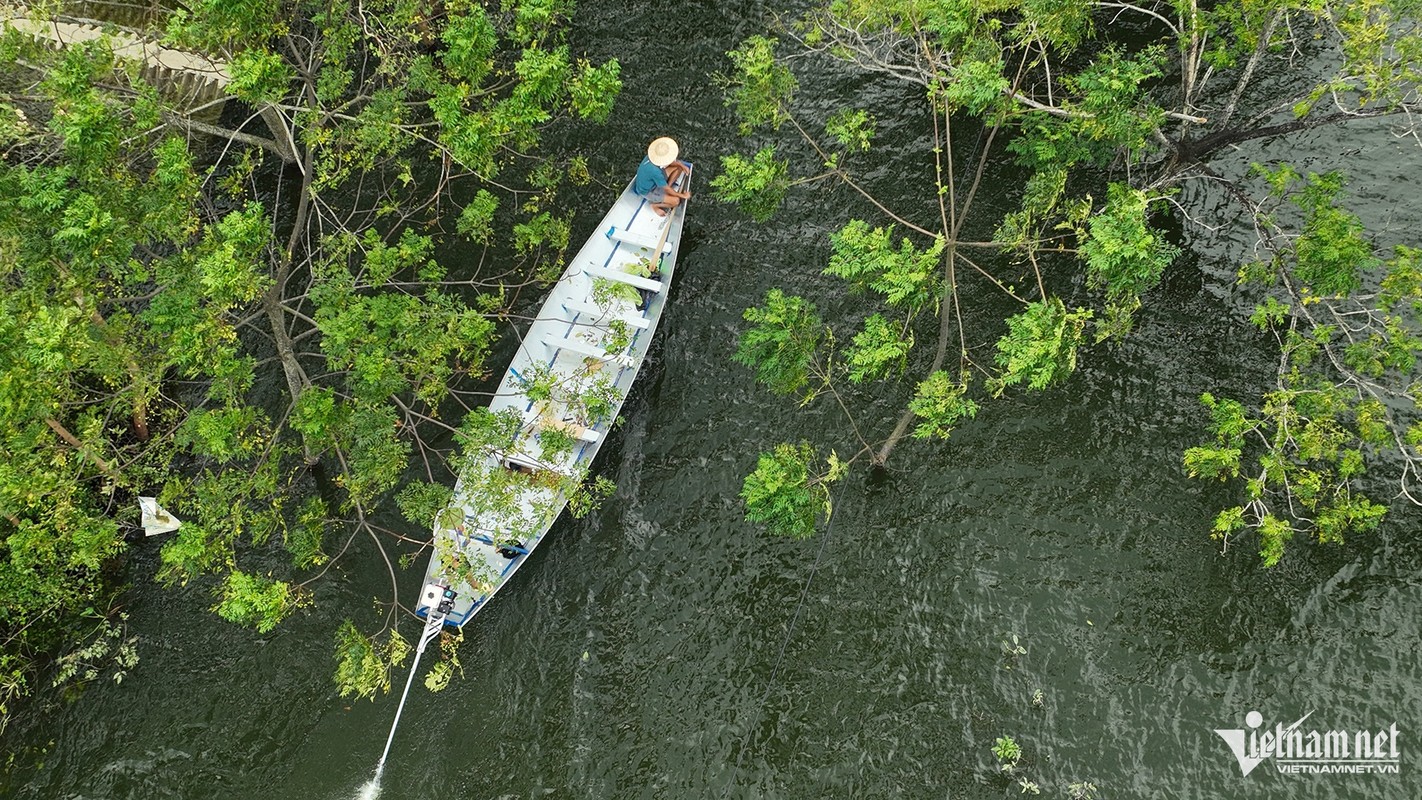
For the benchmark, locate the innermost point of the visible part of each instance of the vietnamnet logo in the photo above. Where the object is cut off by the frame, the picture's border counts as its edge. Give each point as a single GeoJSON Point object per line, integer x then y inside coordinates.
{"type": "Point", "coordinates": [1295, 750]}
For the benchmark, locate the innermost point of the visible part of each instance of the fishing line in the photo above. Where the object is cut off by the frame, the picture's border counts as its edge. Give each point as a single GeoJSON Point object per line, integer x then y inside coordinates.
{"type": "Point", "coordinates": [789, 632]}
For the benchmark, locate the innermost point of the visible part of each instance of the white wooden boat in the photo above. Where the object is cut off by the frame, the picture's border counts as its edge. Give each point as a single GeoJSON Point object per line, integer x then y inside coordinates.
{"type": "Point", "coordinates": [531, 450]}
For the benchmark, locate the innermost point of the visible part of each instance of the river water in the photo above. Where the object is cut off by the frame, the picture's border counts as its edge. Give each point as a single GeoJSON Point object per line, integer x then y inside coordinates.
{"type": "Point", "coordinates": [639, 654]}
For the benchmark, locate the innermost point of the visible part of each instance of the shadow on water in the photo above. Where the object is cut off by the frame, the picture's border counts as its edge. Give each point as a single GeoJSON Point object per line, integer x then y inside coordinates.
{"type": "Point", "coordinates": [631, 656]}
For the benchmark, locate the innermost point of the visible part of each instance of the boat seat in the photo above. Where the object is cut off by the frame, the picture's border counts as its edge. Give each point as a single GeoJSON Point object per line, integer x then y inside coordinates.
{"type": "Point", "coordinates": [641, 240]}
{"type": "Point", "coordinates": [576, 345]}
{"type": "Point", "coordinates": [631, 317]}
{"type": "Point", "coordinates": [623, 277]}
{"type": "Point", "coordinates": [584, 433]}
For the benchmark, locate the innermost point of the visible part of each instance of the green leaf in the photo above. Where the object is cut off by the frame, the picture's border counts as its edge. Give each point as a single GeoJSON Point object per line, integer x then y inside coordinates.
{"type": "Point", "coordinates": [782, 494]}
{"type": "Point", "coordinates": [1331, 252]}
{"type": "Point", "coordinates": [1270, 313]}
{"type": "Point", "coordinates": [1124, 257]}
{"type": "Point", "coordinates": [853, 128]}
{"type": "Point", "coordinates": [1274, 534]}
{"type": "Point", "coordinates": [595, 88]}
{"type": "Point", "coordinates": [256, 602]}
{"type": "Point", "coordinates": [976, 86]}
{"type": "Point", "coordinates": [759, 89]}
{"type": "Point", "coordinates": [259, 76]}
{"type": "Point", "coordinates": [1040, 346]}
{"type": "Point", "coordinates": [363, 664]}
{"type": "Point", "coordinates": [781, 343]}
{"type": "Point", "coordinates": [905, 276]}
{"type": "Point", "coordinates": [757, 185]}
{"type": "Point", "coordinates": [941, 405]}
{"type": "Point", "coordinates": [878, 348]}
{"type": "Point", "coordinates": [1212, 462]}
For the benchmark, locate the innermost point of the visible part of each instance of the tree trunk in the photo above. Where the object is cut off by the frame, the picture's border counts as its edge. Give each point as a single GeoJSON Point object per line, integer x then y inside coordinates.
{"type": "Point", "coordinates": [296, 378]}
{"type": "Point", "coordinates": [135, 373]}
{"type": "Point", "coordinates": [73, 441]}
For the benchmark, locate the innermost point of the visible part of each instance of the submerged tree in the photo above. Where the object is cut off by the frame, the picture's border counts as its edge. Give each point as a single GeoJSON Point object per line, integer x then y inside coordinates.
{"type": "Point", "coordinates": [154, 292]}
{"type": "Point", "coordinates": [1104, 132]}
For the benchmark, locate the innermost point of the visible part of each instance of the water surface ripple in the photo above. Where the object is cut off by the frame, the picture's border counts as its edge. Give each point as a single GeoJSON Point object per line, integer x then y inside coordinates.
{"type": "Point", "coordinates": [630, 658]}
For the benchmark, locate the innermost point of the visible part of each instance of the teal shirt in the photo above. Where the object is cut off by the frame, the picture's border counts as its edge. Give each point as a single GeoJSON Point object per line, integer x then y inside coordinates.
{"type": "Point", "coordinates": [649, 177]}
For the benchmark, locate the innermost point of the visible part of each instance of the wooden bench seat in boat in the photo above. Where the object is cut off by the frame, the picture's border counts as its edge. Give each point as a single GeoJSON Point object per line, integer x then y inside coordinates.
{"type": "Point", "coordinates": [631, 316]}
{"type": "Point", "coordinates": [540, 420]}
{"type": "Point", "coordinates": [641, 240]}
{"type": "Point", "coordinates": [618, 275]}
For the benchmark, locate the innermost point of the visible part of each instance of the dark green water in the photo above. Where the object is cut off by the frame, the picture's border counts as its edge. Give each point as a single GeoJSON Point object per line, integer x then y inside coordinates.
{"type": "Point", "coordinates": [1062, 518]}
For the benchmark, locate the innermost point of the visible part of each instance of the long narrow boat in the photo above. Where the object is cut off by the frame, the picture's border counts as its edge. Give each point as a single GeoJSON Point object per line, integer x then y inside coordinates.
{"type": "Point", "coordinates": [530, 452]}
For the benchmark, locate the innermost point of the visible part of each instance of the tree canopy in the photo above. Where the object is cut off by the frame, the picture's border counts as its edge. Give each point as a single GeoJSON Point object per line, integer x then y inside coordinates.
{"type": "Point", "coordinates": [158, 285]}
{"type": "Point", "coordinates": [1111, 131]}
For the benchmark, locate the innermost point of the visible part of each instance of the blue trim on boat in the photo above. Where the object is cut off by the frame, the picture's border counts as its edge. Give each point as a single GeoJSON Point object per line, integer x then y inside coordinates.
{"type": "Point", "coordinates": [466, 536]}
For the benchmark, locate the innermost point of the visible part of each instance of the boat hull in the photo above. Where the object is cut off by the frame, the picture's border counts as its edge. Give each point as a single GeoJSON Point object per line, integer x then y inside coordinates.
{"type": "Point", "coordinates": [557, 403]}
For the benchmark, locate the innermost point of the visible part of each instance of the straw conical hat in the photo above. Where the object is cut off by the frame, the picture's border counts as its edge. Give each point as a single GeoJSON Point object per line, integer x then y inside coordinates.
{"type": "Point", "coordinates": [662, 151]}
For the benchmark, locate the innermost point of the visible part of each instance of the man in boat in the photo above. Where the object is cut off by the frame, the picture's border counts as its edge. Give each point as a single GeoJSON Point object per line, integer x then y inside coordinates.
{"type": "Point", "coordinates": [658, 174]}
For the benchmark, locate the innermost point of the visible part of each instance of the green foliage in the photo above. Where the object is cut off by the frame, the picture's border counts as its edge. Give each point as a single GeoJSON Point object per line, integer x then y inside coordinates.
{"type": "Point", "coordinates": [224, 434]}
{"type": "Point", "coordinates": [1077, 103]}
{"type": "Point", "coordinates": [1332, 253]}
{"type": "Point", "coordinates": [1274, 534]}
{"type": "Point", "coordinates": [107, 647]}
{"type": "Point", "coordinates": [254, 601]}
{"type": "Point", "coordinates": [470, 41]}
{"type": "Point", "coordinates": [852, 128]}
{"type": "Point", "coordinates": [543, 231]}
{"type": "Point", "coordinates": [877, 349]}
{"type": "Point", "coordinates": [759, 89]}
{"type": "Point", "coordinates": [223, 25]}
{"type": "Point", "coordinates": [1124, 257]}
{"type": "Point", "coordinates": [1402, 283]}
{"type": "Point", "coordinates": [606, 291]}
{"type": "Point", "coordinates": [1304, 454]}
{"type": "Point", "coordinates": [1060, 24]}
{"type": "Point", "coordinates": [782, 342]}
{"type": "Point", "coordinates": [363, 664]}
{"type": "Point", "coordinates": [977, 86]}
{"type": "Point", "coordinates": [420, 501]}
{"type": "Point", "coordinates": [1310, 460]}
{"type": "Point", "coordinates": [941, 405]}
{"type": "Point", "coordinates": [1112, 93]}
{"type": "Point", "coordinates": [1044, 190]}
{"type": "Point", "coordinates": [484, 432]}
{"type": "Point", "coordinates": [82, 197]}
{"type": "Point", "coordinates": [393, 341]}
{"type": "Point", "coordinates": [589, 496]}
{"type": "Point", "coordinates": [905, 276]}
{"type": "Point", "coordinates": [757, 185]}
{"type": "Point", "coordinates": [784, 496]}
{"type": "Point", "coordinates": [440, 675]}
{"type": "Point", "coordinates": [161, 326]}
{"type": "Point", "coordinates": [1270, 313]}
{"type": "Point", "coordinates": [259, 76]}
{"type": "Point", "coordinates": [1040, 346]}
{"type": "Point", "coordinates": [594, 88]}
{"type": "Point", "coordinates": [1007, 751]}
{"type": "Point", "coordinates": [947, 24]}
{"type": "Point", "coordinates": [304, 538]}
{"type": "Point", "coordinates": [1212, 462]}
{"type": "Point", "coordinates": [377, 454]}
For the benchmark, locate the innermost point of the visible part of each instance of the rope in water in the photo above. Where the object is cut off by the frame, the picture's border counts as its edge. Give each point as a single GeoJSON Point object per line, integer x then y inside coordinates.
{"type": "Point", "coordinates": [789, 632]}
